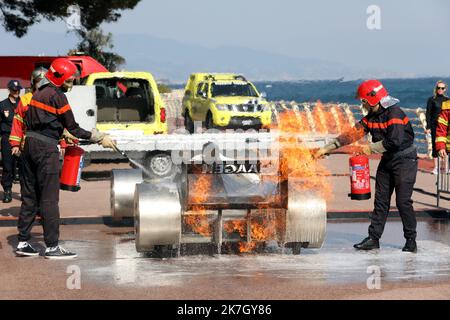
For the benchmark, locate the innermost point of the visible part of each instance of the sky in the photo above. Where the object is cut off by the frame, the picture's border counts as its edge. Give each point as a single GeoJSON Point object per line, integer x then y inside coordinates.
{"type": "Point", "coordinates": [413, 39]}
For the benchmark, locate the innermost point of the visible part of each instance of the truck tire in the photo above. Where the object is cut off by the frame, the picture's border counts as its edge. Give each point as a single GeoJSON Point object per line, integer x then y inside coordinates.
{"type": "Point", "coordinates": [209, 121]}
{"type": "Point", "coordinates": [188, 123]}
{"type": "Point", "coordinates": [158, 165]}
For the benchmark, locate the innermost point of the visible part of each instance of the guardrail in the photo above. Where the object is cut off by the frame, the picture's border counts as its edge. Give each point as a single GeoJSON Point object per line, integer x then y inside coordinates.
{"type": "Point", "coordinates": [319, 118]}
{"type": "Point", "coordinates": [350, 114]}
{"type": "Point", "coordinates": [443, 178]}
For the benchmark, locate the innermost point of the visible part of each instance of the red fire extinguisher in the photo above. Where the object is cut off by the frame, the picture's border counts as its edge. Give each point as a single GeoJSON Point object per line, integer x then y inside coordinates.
{"type": "Point", "coordinates": [71, 170]}
{"type": "Point", "coordinates": [360, 178]}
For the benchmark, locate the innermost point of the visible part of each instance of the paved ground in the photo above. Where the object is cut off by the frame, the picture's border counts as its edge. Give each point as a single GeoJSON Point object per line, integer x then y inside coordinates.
{"type": "Point", "coordinates": [111, 268]}
{"type": "Point", "coordinates": [94, 198]}
{"type": "Point", "coordinates": [424, 195]}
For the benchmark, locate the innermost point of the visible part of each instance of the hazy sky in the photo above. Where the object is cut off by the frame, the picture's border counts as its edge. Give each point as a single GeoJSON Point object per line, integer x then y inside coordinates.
{"type": "Point", "coordinates": [413, 36]}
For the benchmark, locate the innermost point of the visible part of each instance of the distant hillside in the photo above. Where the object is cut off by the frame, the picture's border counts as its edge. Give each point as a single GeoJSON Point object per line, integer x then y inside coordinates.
{"type": "Point", "coordinates": [172, 60]}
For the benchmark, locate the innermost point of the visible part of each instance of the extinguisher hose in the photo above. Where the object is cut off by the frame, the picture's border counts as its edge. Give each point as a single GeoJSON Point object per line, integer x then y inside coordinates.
{"type": "Point", "coordinates": [115, 148]}
{"type": "Point", "coordinates": [121, 152]}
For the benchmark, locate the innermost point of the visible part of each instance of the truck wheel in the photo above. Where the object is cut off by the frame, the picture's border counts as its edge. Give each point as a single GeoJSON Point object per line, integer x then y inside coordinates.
{"type": "Point", "coordinates": [209, 121]}
{"type": "Point", "coordinates": [159, 165]}
{"type": "Point", "coordinates": [188, 123]}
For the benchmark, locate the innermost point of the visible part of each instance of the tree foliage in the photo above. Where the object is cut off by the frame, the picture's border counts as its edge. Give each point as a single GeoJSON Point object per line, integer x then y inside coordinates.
{"type": "Point", "coordinates": [18, 16]}
{"type": "Point", "coordinates": [95, 43]}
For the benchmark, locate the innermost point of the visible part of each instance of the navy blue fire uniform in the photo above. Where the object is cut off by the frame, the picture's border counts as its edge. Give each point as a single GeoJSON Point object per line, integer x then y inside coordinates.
{"type": "Point", "coordinates": [48, 114]}
{"type": "Point", "coordinates": [7, 109]}
{"type": "Point", "coordinates": [397, 169]}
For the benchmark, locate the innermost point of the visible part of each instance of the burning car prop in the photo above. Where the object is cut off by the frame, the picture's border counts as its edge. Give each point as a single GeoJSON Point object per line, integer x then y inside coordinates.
{"type": "Point", "coordinates": [237, 189]}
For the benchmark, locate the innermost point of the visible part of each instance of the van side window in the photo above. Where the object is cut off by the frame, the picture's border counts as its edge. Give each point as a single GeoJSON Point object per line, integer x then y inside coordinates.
{"type": "Point", "coordinates": [200, 89]}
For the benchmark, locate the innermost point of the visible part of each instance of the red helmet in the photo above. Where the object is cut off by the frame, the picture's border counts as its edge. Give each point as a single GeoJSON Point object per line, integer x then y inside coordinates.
{"type": "Point", "coordinates": [371, 91]}
{"type": "Point", "coordinates": [61, 70]}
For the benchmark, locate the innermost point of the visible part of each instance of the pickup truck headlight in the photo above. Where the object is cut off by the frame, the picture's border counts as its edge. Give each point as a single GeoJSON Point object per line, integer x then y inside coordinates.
{"type": "Point", "coordinates": [222, 107]}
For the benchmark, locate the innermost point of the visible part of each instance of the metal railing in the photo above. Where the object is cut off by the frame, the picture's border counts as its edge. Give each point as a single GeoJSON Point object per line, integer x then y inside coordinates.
{"type": "Point", "coordinates": [314, 122]}
{"type": "Point", "coordinates": [354, 113]}
{"type": "Point", "coordinates": [443, 179]}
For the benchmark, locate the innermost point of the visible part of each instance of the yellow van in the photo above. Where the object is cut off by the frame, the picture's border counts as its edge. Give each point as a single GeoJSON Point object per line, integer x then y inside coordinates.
{"type": "Point", "coordinates": [128, 101]}
{"type": "Point", "coordinates": [224, 100]}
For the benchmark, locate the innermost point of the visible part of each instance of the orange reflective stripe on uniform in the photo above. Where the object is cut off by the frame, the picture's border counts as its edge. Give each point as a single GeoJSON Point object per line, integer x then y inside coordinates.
{"type": "Point", "coordinates": [50, 109]}
{"type": "Point", "coordinates": [385, 125]}
{"type": "Point", "coordinates": [64, 109]}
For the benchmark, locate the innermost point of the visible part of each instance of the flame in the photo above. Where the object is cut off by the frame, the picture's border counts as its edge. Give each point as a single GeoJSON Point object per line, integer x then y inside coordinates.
{"type": "Point", "coordinates": [321, 118]}
{"type": "Point", "coordinates": [198, 221]}
{"type": "Point", "coordinates": [296, 161]}
{"type": "Point", "coordinates": [264, 226]}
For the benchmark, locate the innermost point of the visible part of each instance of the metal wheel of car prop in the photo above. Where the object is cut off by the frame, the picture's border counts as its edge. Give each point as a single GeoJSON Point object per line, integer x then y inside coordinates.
{"type": "Point", "coordinates": [306, 216]}
{"type": "Point", "coordinates": [123, 183]}
{"type": "Point", "coordinates": [157, 216]}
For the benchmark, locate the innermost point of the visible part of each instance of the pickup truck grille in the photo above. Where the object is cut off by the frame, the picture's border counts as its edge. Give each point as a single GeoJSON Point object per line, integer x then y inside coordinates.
{"type": "Point", "coordinates": [246, 108]}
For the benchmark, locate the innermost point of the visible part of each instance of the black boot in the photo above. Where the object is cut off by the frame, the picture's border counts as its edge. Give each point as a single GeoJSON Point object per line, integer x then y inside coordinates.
{"type": "Point", "coordinates": [410, 246]}
{"type": "Point", "coordinates": [367, 244]}
{"type": "Point", "coordinates": [7, 196]}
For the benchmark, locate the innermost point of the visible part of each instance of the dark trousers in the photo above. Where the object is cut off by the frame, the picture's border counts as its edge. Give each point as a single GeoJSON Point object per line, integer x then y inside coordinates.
{"type": "Point", "coordinates": [433, 142]}
{"type": "Point", "coordinates": [9, 164]}
{"type": "Point", "coordinates": [399, 175]}
{"type": "Point", "coordinates": [40, 189]}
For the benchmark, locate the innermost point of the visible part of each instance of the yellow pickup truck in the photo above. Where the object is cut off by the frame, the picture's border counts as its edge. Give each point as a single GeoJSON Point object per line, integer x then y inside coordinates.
{"type": "Point", "coordinates": [222, 100]}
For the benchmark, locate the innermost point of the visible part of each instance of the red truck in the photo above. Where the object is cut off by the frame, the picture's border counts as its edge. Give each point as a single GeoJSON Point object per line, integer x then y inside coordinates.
{"type": "Point", "coordinates": [20, 67]}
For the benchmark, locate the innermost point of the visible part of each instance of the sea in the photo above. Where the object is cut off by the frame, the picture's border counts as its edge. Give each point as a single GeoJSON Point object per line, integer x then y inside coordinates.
{"type": "Point", "coordinates": [413, 93]}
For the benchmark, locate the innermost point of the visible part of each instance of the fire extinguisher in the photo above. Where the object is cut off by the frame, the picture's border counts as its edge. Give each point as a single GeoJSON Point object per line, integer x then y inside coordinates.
{"type": "Point", "coordinates": [360, 178]}
{"type": "Point", "coordinates": [71, 170]}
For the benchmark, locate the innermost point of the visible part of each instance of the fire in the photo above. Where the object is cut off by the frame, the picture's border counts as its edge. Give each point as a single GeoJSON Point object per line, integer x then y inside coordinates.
{"type": "Point", "coordinates": [199, 220]}
{"type": "Point", "coordinates": [321, 118]}
{"type": "Point", "coordinates": [297, 160]}
{"type": "Point", "coordinates": [263, 227]}
{"type": "Point", "coordinates": [296, 163]}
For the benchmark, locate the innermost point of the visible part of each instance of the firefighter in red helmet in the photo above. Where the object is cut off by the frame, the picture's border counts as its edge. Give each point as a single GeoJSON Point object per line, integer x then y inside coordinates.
{"type": "Point", "coordinates": [393, 137]}
{"type": "Point", "coordinates": [48, 114]}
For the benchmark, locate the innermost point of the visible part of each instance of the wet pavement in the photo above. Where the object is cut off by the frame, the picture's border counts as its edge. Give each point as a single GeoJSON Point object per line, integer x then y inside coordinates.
{"type": "Point", "coordinates": [92, 203]}
{"type": "Point", "coordinates": [110, 268]}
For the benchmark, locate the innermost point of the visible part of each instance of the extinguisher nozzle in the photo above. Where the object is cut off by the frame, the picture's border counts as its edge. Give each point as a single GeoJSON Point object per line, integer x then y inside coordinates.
{"type": "Point", "coordinates": [121, 152]}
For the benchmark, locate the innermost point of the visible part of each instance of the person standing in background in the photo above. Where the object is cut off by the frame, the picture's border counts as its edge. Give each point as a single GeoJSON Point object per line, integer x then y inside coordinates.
{"type": "Point", "coordinates": [434, 107]}
{"type": "Point", "coordinates": [17, 137]}
{"type": "Point", "coordinates": [7, 110]}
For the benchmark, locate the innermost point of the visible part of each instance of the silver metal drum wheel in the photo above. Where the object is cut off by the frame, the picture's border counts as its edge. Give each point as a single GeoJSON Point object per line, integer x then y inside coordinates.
{"type": "Point", "coordinates": [157, 216]}
{"type": "Point", "coordinates": [306, 216]}
{"type": "Point", "coordinates": [123, 183]}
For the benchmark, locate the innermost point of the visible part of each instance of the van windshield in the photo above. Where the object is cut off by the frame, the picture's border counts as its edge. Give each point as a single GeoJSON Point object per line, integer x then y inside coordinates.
{"type": "Point", "coordinates": [233, 90]}
{"type": "Point", "coordinates": [124, 100]}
